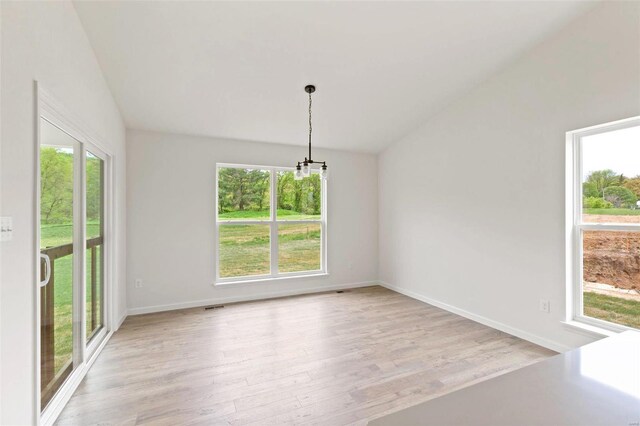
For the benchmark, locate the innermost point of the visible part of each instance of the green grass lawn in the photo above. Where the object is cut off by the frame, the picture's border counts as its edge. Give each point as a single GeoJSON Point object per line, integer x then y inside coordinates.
{"type": "Point", "coordinates": [299, 247]}
{"type": "Point", "coordinates": [613, 309]}
{"type": "Point", "coordinates": [265, 215]}
{"type": "Point", "coordinates": [613, 212]}
{"type": "Point", "coordinates": [245, 249]}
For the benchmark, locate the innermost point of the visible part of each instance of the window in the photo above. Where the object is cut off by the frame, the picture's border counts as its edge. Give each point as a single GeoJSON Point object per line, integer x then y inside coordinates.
{"type": "Point", "coordinates": [269, 225]}
{"type": "Point", "coordinates": [604, 225]}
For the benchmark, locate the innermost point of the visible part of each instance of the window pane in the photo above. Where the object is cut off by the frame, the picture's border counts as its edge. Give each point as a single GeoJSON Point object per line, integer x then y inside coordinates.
{"type": "Point", "coordinates": [94, 290]}
{"type": "Point", "coordinates": [299, 199]}
{"type": "Point", "coordinates": [611, 177]}
{"type": "Point", "coordinates": [299, 247]}
{"type": "Point", "coordinates": [95, 241]}
{"type": "Point", "coordinates": [611, 276]}
{"type": "Point", "coordinates": [243, 194]}
{"type": "Point", "coordinates": [244, 250]}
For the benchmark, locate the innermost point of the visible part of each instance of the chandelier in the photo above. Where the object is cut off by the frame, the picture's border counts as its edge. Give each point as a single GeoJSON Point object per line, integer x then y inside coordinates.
{"type": "Point", "coordinates": [303, 169]}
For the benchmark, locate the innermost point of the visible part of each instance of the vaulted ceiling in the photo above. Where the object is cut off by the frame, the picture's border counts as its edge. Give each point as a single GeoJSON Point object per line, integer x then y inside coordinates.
{"type": "Point", "coordinates": [237, 70]}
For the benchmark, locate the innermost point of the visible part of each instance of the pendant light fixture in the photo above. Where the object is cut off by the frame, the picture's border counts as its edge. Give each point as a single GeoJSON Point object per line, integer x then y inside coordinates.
{"type": "Point", "coordinates": [303, 169]}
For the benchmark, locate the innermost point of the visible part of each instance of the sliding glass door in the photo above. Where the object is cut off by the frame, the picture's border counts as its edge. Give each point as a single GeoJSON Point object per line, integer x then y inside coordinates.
{"type": "Point", "coordinates": [58, 281]}
{"type": "Point", "coordinates": [73, 279]}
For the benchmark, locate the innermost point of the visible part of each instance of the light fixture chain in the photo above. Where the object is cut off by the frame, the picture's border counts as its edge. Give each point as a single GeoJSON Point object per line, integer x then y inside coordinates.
{"type": "Point", "coordinates": [304, 168]}
{"type": "Point", "coordinates": [310, 128]}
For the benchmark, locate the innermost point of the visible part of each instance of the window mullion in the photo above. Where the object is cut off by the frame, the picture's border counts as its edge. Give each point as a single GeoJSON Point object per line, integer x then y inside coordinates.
{"type": "Point", "coordinates": [620, 227]}
{"type": "Point", "coordinates": [576, 303]}
{"type": "Point", "coordinates": [217, 238]}
{"type": "Point", "coordinates": [577, 219]}
{"type": "Point", "coordinates": [288, 221]}
{"type": "Point", "coordinates": [579, 272]}
{"type": "Point", "coordinates": [274, 225]}
{"type": "Point", "coordinates": [323, 217]}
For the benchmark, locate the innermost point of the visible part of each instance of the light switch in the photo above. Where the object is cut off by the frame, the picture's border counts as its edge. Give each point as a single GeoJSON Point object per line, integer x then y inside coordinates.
{"type": "Point", "coordinates": [6, 228]}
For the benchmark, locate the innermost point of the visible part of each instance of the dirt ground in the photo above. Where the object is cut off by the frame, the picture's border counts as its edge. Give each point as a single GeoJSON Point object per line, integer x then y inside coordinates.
{"type": "Point", "coordinates": [612, 257]}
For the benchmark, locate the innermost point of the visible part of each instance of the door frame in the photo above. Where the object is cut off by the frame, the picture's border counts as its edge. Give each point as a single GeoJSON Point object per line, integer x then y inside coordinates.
{"type": "Point", "coordinates": [96, 343]}
{"type": "Point", "coordinates": [48, 108]}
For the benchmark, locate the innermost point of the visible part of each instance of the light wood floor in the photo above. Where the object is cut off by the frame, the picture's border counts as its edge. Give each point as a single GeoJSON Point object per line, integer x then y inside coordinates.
{"type": "Point", "coordinates": [328, 358]}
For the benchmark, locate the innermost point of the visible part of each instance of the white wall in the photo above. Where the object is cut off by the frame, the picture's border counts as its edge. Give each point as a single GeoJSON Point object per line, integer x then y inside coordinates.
{"type": "Point", "coordinates": [171, 214]}
{"type": "Point", "coordinates": [471, 204]}
{"type": "Point", "coordinates": [0, 210]}
{"type": "Point", "coordinates": [42, 41]}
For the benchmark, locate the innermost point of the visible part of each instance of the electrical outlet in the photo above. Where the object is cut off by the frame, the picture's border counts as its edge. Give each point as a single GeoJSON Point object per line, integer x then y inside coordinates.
{"type": "Point", "coordinates": [544, 306]}
{"type": "Point", "coordinates": [138, 283]}
{"type": "Point", "coordinates": [6, 228]}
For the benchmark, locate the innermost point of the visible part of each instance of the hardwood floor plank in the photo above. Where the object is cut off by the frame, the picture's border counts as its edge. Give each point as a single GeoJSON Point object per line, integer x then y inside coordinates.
{"type": "Point", "coordinates": [328, 358]}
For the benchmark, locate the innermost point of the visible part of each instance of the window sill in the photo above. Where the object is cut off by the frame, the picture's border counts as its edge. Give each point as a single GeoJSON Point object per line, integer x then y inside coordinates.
{"type": "Point", "coordinates": [588, 329]}
{"type": "Point", "coordinates": [271, 279]}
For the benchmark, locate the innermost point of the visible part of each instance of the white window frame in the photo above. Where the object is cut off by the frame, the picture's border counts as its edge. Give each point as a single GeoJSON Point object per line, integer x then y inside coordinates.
{"type": "Point", "coordinates": [575, 226]}
{"type": "Point", "coordinates": [273, 222]}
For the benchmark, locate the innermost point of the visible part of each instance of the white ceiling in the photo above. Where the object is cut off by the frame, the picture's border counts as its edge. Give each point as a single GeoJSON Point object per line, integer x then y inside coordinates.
{"type": "Point", "coordinates": [237, 69]}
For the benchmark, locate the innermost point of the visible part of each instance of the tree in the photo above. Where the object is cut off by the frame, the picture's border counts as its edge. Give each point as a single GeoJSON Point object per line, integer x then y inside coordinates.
{"type": "Point", "coordinates": [56, 191]}
{"type": "Point", "coordinates": [259, 182]}
{"type": "Point", "coordinates": [633, 184]}
{"type": "Point", "coordinates": [284, 187]}
{"type": "Point", "coordinates": [242, 189]}
{"type": "Point", "coordinates": [94, 188]}
{"type": "Point", "coordinates": [297, 195]}
{"type": "Point", "coordinates": [595, 203]}
{"type": "Point", "coordinates": [589, 189]}
{"type": "Point", "coordinates": [620, 197]}
{"type": "Point", "coordinates": [312, 188]}
{"type": "Point", "coordinates": [247, 189]}
{"type": "Point", "coordinates": [232, 187]}
{"type": "Point", "coordinates": [302, 196]}
{"type": "Point", "coordinates": [601, 179]}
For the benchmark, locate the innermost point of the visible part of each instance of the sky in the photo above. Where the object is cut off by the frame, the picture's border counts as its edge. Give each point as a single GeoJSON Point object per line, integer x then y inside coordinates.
{"type": "Point", "coordinates": [618, 150]}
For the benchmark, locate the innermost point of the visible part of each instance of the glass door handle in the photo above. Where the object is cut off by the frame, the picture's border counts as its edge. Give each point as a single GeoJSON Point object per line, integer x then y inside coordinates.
{"type": "Point", "coordinates": [47, 265]}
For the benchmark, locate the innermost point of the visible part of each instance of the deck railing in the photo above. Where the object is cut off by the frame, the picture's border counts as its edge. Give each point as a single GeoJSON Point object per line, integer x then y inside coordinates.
{"type": "Point", "coordinates": [50, 378]}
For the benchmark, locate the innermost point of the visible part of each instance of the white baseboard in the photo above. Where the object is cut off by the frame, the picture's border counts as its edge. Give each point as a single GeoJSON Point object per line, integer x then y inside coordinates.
{"type": "Point", "coordinates": [247, 298]}
{"type": "Point", "coordinates": [554, 346]}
